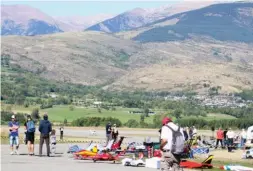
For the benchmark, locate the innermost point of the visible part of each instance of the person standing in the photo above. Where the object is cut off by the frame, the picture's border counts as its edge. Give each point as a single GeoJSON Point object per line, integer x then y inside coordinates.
{"type": "Point", "coordinates": [45, 128]}
{"type": "Point", "coordinates": [30, 131]}
{"type": "Point", "coordinates": [61, 132]}
{"type": "Point", "coordinates": [14, 139]}
{"type": "Point", "coordinates": [172, 145]}
{"type": "Point", "coordinates": [53, 141]}
{"type": "Point", "coordinates": [115, 133]}
{"type": "Point", "coordinates": [230, 137]}
{"type": "Point", "coordinates": [219, 138]}
{"type": "Point", "coordinates": [194, 131]}
{"type": "Point", "coordinates": [190, 132]}
{"type": "Point", "coordinates": [243, 137]}
{"type": "Point", "coordinates": [185, 134]}
{"type": "Point", "coordinates": [225, 139]}
{"type": "Point", "coordinates": [108, 132]}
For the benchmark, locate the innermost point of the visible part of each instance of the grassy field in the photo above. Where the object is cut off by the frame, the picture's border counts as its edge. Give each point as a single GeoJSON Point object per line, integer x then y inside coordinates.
{"type": "Point", "coordinates": [59, 113]}
{"type": "Point", "coordinates": [214, 116]}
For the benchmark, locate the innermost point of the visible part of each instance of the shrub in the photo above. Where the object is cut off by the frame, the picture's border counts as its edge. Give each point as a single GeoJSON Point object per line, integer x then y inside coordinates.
{"type": "Point", "coordinates": [71, 108]}
{"type": "Point", "coordinates": [95, 121]}
{"type": "Point", "coordinates": [132, 123]}
{"type": "Point", "coordinates": [6, 117]}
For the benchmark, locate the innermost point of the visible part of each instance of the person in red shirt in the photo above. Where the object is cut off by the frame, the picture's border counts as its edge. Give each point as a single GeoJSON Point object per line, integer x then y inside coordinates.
{"type": "Point", "coordinates": [219, 138]}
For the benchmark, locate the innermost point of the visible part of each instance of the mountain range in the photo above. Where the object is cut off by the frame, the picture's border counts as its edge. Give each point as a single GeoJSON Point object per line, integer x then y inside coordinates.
{"type": "Point", "coordinates": [25, 20]}
{"type": "Point", "coordinates": [139, 17]}
{"type": "Point", "coordinates": [188, 51]}
{"type": "Point", "coordinates": [28, 21]}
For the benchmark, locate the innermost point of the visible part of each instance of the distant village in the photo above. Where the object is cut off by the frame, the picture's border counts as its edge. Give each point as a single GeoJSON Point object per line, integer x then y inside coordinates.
{"type": "Point", "coordinates": [204, 100]}
{"type": "Point", "coordinates": [215, 101]}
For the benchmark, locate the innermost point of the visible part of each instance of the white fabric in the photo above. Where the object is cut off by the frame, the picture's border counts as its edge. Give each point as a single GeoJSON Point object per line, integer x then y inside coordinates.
{"type": "Point", "coordinates": [114, 129]}
{"type": "Point", "coordinates": [194, 131]}
{"type": "Point", "coordinates": [244, 134]}
{"type": "Point", "coordinates": [109, 145]}
{"type": "Point", "coordinates": [153, 163]}
{"type": "Point", "coordinates": [250, 133]}
{"type": "Point", "coordinates": [230, 134]}
{"type": "Point", "coordinates": [53, 139]}
{"type": "Point", "coordinates": [166, 133]}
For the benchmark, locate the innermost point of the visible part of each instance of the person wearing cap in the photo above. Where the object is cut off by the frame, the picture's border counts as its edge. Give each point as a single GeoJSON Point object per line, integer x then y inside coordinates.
{"type": "Point", "coordinates": [230, 137]}
{"type": "Point", "coordinates": [169, 160]}
{"type": "Point", "coordinates": [108, 129]}
{"type": "Point", "coordinates": [14, 139]}
{"type": "Point", "coordinates": [30, 131]}
{"type": "Point", "coordinates": [45, 128]}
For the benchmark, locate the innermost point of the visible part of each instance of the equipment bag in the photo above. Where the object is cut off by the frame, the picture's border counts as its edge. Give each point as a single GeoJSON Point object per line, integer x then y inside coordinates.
{"type": "Point", "coordinates": [30, 126]}
{"type": "Point", "coordinates": [177, 141]}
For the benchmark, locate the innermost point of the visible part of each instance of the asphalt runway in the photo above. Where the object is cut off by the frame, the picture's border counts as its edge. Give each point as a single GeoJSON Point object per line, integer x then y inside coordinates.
{"type": "Point", "coordinates": [61, 162]}
{"type": "Point", "coordinates": [131, 135]}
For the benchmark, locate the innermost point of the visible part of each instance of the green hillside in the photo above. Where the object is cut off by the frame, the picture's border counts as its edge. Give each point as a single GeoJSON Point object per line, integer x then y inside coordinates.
{"type": "Point", "coordinates": [224, 22]}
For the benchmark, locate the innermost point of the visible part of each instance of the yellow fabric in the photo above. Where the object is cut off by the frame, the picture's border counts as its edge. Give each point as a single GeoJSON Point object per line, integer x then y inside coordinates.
{"type": "Point", "coordinates": [95, 150]}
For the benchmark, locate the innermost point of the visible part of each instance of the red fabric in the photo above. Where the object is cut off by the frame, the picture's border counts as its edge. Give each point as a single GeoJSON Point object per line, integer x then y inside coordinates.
{"type": "Point", "coordinates": [220, 134]}
{"type": "Point", "coordinates": [166, 120]}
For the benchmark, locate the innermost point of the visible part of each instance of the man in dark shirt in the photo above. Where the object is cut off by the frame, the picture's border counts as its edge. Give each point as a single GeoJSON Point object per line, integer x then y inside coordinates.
{"type": "Point", "coordinates": [108, 132]}
{"type": "Point", "coordinates": [45, 128]}
{"type": "Point", "coordinates": [225, 137]}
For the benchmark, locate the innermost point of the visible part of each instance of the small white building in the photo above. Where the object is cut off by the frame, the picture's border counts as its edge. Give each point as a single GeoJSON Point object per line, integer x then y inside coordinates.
{"type": "Point", "coordinates": [97, 103]}
{"type": "Point", "coordinates": [53, 95]}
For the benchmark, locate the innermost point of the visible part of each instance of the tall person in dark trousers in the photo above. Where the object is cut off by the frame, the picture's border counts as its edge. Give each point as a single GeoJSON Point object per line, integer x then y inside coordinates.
{"type": "Point", "coordinates": [45, 128]}
{"type": "Point", "coordinates": [108, 132]}
{"type": "Point", "coordinates": [61, 132]}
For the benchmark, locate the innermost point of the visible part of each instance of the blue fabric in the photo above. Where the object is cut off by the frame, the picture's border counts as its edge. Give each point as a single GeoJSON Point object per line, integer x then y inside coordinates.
{"type": "Point", "coordinates": [74, 149]}
{"type": "Point", "coordinates": [13, 132]}
{"type": "Point", "coordinates": [108, 129]}
{"type": "Point", "coordinates": [201, 150]}
{"type": "Point", "coordinates": [30, 126]}
{"type": "Point", "coordinates": [45, 127]}
{"type": "Point", "coordinates": [14, 140]}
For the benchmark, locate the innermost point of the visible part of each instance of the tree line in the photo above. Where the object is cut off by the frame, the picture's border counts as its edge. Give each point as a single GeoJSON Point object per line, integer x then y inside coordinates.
{"type": "Point", "coordinates": [132, 123]}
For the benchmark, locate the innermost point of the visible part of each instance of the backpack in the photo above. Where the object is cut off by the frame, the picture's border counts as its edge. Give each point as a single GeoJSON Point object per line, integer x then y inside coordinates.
{"type": "Point", "coordinates": [30, 126]}
{"type": "Point", "coordinates": [177, 146]}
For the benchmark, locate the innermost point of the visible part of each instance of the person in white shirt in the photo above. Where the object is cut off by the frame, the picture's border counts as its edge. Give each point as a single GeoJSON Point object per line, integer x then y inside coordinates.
{"type": "Point", "coordinates": [170, 161]}
{"type": "Point", "coordinates": [243, 137]}
{"type": "Point", "coordinates": [53, 141]}
{"type": "Point", "coordinates": [194, 131]}
{"type": "Point", "coordinates": [230, 137]}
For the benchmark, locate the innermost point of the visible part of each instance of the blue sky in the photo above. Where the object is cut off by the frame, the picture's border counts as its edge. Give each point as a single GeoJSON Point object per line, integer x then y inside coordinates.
{"type": "Point", "coordinates": [84, 8]}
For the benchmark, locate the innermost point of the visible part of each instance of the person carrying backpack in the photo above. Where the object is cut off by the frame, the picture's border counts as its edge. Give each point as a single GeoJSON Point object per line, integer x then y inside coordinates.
{"type": "Point", "coordinates": [30, 131]}
{"type": "Point", "coordinates": [172, 145]}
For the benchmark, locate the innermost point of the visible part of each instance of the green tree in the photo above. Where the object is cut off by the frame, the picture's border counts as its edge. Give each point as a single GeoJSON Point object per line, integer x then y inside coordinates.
{"type": "Point", "coordinates": [9, 108]}
{"type": "Point", "coordinates": [65, 122]}
{"type": "Point", "coordinates": [26, 104]}
{"type": "Point", "coordinates": [35, 114]}
{"type": "Point", "coordinates": [146, 112]}
{"type": "Point", "coordinates": [71, 108]}
{"type": "Point", "coordinates": [132, 123]}
{"type": "Point", "coordinates": [177, 113]}
{"type": "Point", "coordinates": [142, 118]}
{"type": "Point", "coordinates": [99, 110]}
